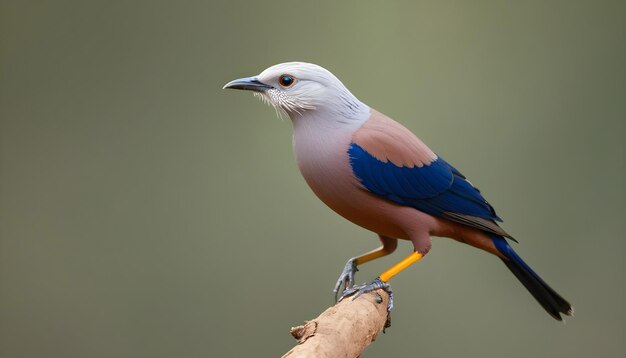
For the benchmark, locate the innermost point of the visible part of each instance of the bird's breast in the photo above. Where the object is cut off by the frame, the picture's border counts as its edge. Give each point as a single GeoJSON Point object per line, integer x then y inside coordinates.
{"type": "Point", "coordinates": [324, 162]}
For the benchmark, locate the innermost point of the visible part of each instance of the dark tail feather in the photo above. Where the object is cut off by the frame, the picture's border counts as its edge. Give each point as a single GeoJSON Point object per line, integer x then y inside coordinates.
{"type": "Point", "coordinates": [551, 301]}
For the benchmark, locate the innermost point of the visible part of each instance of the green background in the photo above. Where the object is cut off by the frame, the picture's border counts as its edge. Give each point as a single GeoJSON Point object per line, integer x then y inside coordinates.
{"type": "Point", "coordinates": [145, 212]}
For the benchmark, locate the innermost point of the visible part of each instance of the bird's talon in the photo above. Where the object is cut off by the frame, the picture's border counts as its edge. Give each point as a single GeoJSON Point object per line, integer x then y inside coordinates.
{"type": "Point", "coordinates": [348, 292]}
{"type": "Point", "coordinates": [346, 279]}
{"type": "Point", "coordinates": [359, 290]}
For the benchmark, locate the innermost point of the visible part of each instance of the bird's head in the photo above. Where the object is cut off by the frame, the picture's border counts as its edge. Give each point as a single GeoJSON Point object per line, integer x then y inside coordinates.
{"type": "Point", "coordinates": [299, 88]}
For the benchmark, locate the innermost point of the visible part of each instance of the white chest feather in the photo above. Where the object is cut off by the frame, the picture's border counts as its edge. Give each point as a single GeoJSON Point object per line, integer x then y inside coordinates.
{"type": "Point", "coordinates": [321, 151]}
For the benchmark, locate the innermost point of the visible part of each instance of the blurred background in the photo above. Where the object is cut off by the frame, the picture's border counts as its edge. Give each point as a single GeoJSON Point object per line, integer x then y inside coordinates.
{"type": "Point", "coordinates": [145, 212]}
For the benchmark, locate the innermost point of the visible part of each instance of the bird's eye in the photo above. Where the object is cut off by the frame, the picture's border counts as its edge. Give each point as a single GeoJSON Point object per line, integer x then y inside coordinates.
{"type": "Point", "coordinates": [286, 80]}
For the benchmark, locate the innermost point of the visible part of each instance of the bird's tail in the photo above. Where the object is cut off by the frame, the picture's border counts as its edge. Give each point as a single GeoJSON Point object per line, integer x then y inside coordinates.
{"type": "Point", "coordinates": [551, 301]}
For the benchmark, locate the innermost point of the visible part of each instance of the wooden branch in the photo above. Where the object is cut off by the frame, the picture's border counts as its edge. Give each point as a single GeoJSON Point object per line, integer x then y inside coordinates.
{"type": "Point", "coordinates": [343, 330]}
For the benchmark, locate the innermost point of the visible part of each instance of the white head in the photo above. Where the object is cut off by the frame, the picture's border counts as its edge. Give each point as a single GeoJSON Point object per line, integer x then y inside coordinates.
{"type": "Point", "coordinates": [300, 89]}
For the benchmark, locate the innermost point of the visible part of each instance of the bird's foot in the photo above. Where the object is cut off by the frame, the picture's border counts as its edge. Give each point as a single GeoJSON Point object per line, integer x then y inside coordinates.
{"type": "Point", "coordinates": [346, 279]}
{"type": "Point", "coordinates": [357, 291]}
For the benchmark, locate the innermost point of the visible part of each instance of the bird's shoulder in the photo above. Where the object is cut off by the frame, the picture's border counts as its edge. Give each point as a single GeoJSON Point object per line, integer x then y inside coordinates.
{"type": "Point", "coordinates": [389, 141]}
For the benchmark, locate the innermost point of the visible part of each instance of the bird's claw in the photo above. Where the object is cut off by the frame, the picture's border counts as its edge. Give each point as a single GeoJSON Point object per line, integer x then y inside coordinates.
{"type": "Point", "coordinates": [346, 279]}
{"type": "Point", "coordinates": [357, 291]}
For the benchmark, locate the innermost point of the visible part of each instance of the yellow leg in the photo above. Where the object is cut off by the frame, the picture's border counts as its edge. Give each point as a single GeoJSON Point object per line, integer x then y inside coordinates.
{"type": "Point", "coordinates": [395, 269]}
{"type": "Point", "coordinates": [389, 245]}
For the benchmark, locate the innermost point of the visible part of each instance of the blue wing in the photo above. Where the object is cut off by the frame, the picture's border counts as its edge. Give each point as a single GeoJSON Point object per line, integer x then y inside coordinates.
{"type": "Point", "coordinates": [437, 189]}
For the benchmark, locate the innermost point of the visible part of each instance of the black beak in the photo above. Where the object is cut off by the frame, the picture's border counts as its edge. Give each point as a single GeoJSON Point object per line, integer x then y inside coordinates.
{"type": "Point", "coordinates": [248, 84]}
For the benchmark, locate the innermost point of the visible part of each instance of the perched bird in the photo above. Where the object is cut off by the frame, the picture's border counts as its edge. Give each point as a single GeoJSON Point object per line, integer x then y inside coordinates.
{"type": "Point", "coordinates": [376, 173]}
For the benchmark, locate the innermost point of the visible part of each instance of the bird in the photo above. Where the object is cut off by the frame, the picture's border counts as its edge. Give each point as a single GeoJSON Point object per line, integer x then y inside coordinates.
{"type": "Point", "coordinates": [376, 173]}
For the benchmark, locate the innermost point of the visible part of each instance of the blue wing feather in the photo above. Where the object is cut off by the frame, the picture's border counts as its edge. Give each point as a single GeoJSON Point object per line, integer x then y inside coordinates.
{"type": "Point", "coordinates": [387, 179]}
{"type": "Point", "coordinates": [437, 189]}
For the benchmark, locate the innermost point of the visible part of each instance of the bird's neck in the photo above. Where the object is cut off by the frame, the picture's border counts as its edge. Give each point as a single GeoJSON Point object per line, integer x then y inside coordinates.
{"type": "Point", "coordinates": [321, 126]}
{"type": "Point", "coordinates": [319, 136]}
{"type": "Point", "coordinates": [323, 135]}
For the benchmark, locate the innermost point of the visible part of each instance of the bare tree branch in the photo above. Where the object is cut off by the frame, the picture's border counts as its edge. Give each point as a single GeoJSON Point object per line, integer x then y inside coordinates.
{"type": "Point", "coordinates": [343, 330]}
